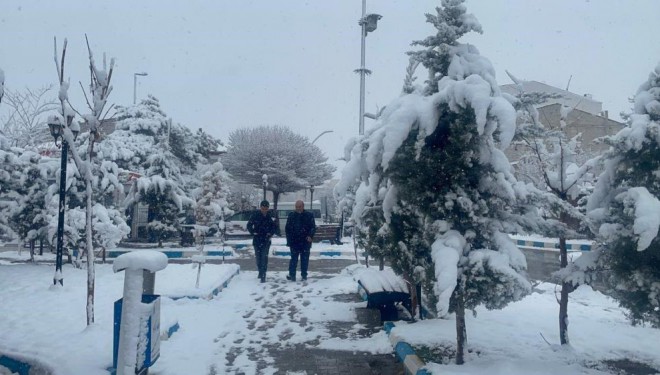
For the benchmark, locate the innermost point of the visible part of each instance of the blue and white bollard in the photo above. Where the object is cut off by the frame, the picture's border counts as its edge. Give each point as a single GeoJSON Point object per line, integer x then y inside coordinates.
{"type": "Point", "coordinates": [133, 309]}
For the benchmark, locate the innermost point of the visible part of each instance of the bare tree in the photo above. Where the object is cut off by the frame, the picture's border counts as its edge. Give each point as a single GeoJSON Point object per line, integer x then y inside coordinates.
{"type": "Point", "coordinates": [25, 124]}
{"type": "Point", "coordinates": [290, 160]}
{"type": "Point", "coordinates": [2, 84]}
{"type": "Point", "coordinates": [99, 90]}
{"type": "Point", "coordinates": [554, 157]}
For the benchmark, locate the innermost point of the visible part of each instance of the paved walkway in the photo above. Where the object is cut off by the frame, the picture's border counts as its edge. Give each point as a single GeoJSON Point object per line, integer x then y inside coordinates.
{"type": "Point", "coordinates": [301, 359]}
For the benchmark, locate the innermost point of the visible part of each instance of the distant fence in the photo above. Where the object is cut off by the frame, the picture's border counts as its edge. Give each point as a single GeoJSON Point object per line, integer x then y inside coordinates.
{"type": "Point", "coordinates": [543, 255]}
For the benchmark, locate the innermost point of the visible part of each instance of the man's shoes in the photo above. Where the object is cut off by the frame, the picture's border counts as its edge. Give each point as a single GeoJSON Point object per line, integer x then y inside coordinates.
{"type": "Point", "coordinates": [288, 277]}
{"type": "Point", "coordinates": [304, 278]}
{"type": "Point", "coordinates": [263, 279]}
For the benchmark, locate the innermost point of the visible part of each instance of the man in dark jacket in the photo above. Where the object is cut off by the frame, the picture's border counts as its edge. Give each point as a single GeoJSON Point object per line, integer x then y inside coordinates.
{"type": "Point", "coordinates": [262, 226]}
{"type": "Point", "coordinates": [300, 228]}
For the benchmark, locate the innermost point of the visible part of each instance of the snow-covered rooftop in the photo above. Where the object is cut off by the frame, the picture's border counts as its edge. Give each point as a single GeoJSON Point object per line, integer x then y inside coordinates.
{"type": "Point", "coordinates": [583, 102]}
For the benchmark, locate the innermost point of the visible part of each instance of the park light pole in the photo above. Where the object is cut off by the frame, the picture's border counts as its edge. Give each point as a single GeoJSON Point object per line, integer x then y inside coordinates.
{"type": "Point", "coordinates": [264, 180]}
{"type": "Point", "coordinates": [57, 131]}
{"type": "Point", "coordinates": [311, 197]}
{"type": "Point", "coordinates": [319, 136]}
{"type": "Point", "coordinates": [368, 22]}
{"type": "Point", "coordinates": [135, 75]}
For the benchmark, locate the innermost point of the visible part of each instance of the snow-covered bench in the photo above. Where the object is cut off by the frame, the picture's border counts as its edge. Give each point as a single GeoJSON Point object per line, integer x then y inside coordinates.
{"type": "Point", "coordinates": [382, 290]}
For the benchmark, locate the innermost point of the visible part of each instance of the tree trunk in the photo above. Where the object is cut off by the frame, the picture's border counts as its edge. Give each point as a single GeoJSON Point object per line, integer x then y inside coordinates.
{"type": "Point", "coordinates": [566, 288]}
{"type": "Point", "coordinates": [461, 331]}
{"type": "Point", "coordinates": [31, 250]}
{"type": "Point", "coordinates": [90, 246]}
{"type": "Point", "coordinates": [41, 246]}
{"type": "Point", "coordinates": [381, 263]}
{"type": "Point", "coordinates": [413, 294]}
{"type": "Point", "coordinates": [276, 198]}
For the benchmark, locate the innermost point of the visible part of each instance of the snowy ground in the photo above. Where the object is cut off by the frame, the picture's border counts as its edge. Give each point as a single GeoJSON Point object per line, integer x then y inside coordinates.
{"type": "Point", "coordinates": [230, 333]}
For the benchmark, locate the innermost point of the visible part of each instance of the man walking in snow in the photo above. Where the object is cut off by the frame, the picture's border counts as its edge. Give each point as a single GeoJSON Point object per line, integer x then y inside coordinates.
{"type": "Point", "coordinates": [300, 228]}
{"type": "Point", "coordinates": [262, 226]}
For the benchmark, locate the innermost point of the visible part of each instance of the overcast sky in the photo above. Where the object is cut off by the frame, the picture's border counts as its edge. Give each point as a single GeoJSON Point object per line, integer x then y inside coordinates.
{"type": "Point", "coordinates": [221, 65]}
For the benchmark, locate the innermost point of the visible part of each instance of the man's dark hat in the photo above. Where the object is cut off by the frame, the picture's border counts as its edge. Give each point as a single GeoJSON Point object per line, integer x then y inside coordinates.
{"type": "Point", "coordinates": [264, 203]}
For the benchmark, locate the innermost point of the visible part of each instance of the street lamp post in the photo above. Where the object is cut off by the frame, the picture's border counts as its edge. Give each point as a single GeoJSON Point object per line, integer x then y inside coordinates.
{"type": "Point", "coordinates": [319, 136]}
{"type": "Point", "coordinates": [264, 180]}
{"type": "Point", "coordinates": [311, 197]}
{"type": "Point", "coordinates": [368, 22]}
{"type": "Point", "coordinates": [135, 84]}
{"type": "Point", "coordinates": [56, 130]}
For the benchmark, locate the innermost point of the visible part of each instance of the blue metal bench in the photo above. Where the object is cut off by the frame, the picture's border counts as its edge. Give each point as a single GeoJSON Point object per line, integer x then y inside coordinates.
{"type": "Point", "coordinates": [383, 290]}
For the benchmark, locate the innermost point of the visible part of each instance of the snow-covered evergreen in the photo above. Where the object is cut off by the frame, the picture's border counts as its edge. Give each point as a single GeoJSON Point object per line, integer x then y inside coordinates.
{"type": "Point", "coordinates": [23, 187]}
{"type": "Point", "coordinates": [625, 210]}
{"type": "Point", "coordinates": [138, 128]}
{"type": "Point", "coordinates": [433, 167]}
{"type": "Point", "coordinates": [160, 189]}
{"type": "Point", "coordinates": [211, 202]}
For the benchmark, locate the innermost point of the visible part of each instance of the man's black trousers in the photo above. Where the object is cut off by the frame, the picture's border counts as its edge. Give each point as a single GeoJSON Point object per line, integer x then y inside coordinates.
{"type": "Point", "coordinates": [261, 254]}
{"type": "Point", "coordinates": [303, 254]}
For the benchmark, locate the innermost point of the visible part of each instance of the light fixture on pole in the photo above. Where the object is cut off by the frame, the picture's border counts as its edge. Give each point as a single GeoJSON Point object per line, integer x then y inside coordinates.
{"type": "Point", "coordinates": [264, 180]}
{"type": "Point", "coordinates": [311, 197]}
{"type": "Point", "coordinates": [57, 131]}
{"type": "Point", "coordinates": [135, 84]}
{"type": "Point", "coordinates": [369, 22]}
{"type": "Point", "coordinates": [319, 136]}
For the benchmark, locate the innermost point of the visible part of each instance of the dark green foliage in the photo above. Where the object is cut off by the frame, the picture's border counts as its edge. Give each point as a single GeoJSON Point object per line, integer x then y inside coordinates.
{"type": "Point", "coordinates": [163, 214]}
{"type": "Point", "coordinates": [451, 22]}
{"type": "Point", "coordinates": [632, 170]}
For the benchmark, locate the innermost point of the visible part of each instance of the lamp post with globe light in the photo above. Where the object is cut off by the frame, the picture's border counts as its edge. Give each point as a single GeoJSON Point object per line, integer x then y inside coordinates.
{"type": "Point", "coordinates": [57, 131]}
{"type": "Point", "coordinates": [264, 180]}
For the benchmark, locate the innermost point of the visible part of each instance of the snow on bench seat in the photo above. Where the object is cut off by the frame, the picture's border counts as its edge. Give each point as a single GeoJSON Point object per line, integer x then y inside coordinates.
{"type": "Point", "coordinates": [381, 290]}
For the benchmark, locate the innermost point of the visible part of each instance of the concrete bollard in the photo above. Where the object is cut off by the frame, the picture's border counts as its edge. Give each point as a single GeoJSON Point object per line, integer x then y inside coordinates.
{"type": "Point", "coordinates": [135, 264]}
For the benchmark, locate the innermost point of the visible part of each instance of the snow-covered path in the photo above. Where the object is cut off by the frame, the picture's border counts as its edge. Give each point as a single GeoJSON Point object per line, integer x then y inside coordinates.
{"type": "Point", "coordinates": [249, 320]}
{"type": "Point", "coordinates": [248, 328]}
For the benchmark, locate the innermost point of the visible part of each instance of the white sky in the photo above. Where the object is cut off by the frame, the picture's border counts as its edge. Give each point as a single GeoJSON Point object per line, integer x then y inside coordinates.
{"type": "Point", "coordinates": [221, 65]}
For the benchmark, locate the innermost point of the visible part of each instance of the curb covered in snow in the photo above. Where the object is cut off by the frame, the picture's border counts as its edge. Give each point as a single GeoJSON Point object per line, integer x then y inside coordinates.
{"type": "Point", "coordinates": [20, 365]}
{"type": "Point", "coordinates": [213, 293]}
{"type": "Point", "coordinates": [165, 335]}
{"type": "Point", "coordinates": [323, 253]}
{"type": "Point", "coordinates": [175, 254]}
{"type": "Point", "coordinates": [412, 364]}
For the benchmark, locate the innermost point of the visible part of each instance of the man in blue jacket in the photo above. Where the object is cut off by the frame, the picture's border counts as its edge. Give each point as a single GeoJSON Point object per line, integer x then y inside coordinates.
{"type": "Point", "coordinates": [300, 228]}
{"type": "Point", "coordinates": [262, 226]}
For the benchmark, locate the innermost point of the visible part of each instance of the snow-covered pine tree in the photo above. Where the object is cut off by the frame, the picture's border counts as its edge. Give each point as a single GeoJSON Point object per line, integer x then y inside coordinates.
{"type": "Point", "coordinates": [160, 190]}
{"type": "Point", "coordinates": [8, 170]}
{"type": "Point", "coordinates": [433, 162]}
{"type": "Point", "coordinates": [625, 210]}
{"type": "Point", "coordinates": [138, 129]}
{"type": "Point", "coordinates": [30, 218]}
{"type": "Point", "coordinates": [211, 204]}
{"type": "Point", "coordinates": [23, 186]}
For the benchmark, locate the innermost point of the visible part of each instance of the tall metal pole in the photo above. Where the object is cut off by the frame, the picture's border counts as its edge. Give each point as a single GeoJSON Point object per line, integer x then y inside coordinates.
{"type": "Point", "coordinates": [60, 218]}
{"type": "Point", "coordinates": [264, 179]}
{"type": "Point", "coordinates": [135, 85]}
{"type": "Point", "coordinates": [311, 197]}
{"type": "Point", "coordinates": [362, 67]}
